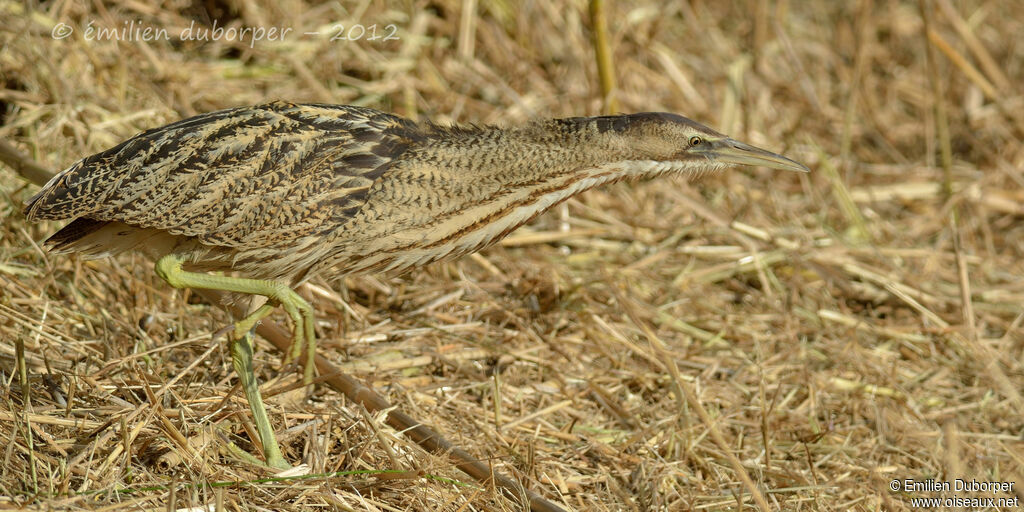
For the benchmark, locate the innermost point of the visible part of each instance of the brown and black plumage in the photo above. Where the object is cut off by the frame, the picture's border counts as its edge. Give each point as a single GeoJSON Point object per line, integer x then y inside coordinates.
{"type": "Point", "coordinates": [279, 192]}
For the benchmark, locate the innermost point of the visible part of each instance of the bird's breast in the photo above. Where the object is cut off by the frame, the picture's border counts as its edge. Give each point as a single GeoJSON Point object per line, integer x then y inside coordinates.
{"type": "Point", "coordinates": [403, 230]}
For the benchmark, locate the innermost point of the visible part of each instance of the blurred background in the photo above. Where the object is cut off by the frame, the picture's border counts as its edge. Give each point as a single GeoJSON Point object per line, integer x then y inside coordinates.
{"type": "Point", "coordinates": [841, 329]}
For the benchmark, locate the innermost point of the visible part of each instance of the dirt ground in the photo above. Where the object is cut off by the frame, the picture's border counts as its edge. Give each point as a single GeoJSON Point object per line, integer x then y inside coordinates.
{"type": "Point", "coordinates": [755, 339]}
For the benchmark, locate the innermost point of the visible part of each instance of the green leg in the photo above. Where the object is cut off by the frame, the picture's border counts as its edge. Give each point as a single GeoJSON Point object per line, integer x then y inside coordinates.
{"type": "Point", "coordinates": [169, 268]}
{"type": "Point", "coordinates": [241, 358]}
{"type": "Point", "coordinates": [301, 313]}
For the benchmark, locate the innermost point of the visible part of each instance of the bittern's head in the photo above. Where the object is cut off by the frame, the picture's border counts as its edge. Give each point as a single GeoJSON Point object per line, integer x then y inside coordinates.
{"type": "Point", "coordinates": [685, 145]}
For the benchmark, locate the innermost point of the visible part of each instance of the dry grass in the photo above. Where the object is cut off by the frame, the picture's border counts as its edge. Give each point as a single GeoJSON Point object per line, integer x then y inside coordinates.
{"type": "Point", "coordinates": [841, 329]}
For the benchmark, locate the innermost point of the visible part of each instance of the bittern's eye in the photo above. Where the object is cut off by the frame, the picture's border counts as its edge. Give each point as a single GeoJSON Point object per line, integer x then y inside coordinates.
{"type": "Point", "coordinates": [695, 141]}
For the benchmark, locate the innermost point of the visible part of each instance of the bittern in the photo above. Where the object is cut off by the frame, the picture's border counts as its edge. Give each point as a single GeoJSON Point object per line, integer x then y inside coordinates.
{"type": "Point", "coordinates": [267, 196]}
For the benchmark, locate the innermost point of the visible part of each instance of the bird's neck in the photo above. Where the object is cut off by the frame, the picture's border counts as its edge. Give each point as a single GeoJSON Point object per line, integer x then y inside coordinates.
{"type": "Point", "coordinates": [550, 154]}
{"type": "Point", "coordinates": [502, 178]}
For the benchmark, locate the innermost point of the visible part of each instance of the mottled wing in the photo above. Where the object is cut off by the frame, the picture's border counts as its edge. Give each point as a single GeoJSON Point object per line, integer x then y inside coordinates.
{"type": "Point", "coordinates": [247, 177]}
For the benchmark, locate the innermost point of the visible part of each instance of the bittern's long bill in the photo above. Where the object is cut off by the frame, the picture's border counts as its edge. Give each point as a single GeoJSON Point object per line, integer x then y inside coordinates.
{"type": "Point", "coordinates": [276, 193]}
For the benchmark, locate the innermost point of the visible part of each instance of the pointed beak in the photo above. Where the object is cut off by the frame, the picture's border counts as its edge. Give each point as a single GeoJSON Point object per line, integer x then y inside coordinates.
{"type": "Point", "coordinates": [735, 152]}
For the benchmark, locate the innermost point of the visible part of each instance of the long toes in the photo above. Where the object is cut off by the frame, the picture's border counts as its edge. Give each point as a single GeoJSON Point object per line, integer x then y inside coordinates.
{"type": "Point", "coordinates": [307, 375]}
{"type": "Point", "coordinates": [298, 342]}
